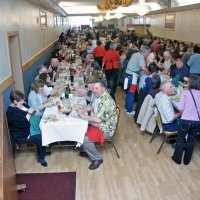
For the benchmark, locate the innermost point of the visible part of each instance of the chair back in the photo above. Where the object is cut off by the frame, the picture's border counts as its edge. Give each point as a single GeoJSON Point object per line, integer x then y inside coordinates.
{"type": "Point", "coordinates": [158, 118]}
{"type": "Point", "coordinates": [118, 115]}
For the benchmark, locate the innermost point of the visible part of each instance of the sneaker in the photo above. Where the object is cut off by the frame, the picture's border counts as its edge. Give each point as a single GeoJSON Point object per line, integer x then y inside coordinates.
{"type": "Point", "coordinates": [131, 113]}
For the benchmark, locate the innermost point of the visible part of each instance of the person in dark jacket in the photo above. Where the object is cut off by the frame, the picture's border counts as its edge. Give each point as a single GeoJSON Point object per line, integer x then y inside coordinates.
{"type": "Point", "coordinates": [180, 71]}
{"type": "Point", "coordinates": [18, 117]}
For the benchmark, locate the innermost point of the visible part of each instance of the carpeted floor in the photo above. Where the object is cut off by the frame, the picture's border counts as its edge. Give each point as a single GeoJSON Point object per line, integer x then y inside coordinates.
{"type": "Point", "coordinates": [48, 186]}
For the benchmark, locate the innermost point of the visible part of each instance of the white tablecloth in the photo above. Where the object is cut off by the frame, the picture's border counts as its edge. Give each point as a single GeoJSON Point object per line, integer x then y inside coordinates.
{"type": "Point", "coordinates": [66, 129]}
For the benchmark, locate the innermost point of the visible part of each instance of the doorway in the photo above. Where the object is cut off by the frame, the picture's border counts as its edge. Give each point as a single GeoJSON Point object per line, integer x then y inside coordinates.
{"type": "Point", "coordinates": [15, 60]}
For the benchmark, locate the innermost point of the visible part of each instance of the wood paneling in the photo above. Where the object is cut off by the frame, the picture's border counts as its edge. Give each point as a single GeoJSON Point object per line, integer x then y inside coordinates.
{"type": "Point", "coordinates": [7, 169]}
{"type": "Point", "coordinates": [187, 26]}
{"type": "Point", "coordinates": [139, 29]}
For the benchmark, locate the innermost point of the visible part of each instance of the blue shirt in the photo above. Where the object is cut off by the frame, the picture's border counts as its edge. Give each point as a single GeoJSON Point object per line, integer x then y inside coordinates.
{"type": "Point", "coordinates": [181, 73]}
{"type": "Point", "coordinates": [194, 64]}
{"type": "Point", "coordinates": [35, 101]}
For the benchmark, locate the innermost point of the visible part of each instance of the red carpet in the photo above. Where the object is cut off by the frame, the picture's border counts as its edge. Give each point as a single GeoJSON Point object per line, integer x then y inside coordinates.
{"type": "Point", "coordinates": [48, 186]}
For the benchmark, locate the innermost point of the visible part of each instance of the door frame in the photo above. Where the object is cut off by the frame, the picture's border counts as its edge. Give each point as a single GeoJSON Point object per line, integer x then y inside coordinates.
{"type": "Point", "coordinates": [9, 35]}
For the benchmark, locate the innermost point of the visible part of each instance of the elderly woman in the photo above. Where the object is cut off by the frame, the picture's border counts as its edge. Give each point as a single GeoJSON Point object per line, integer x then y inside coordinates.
{"type": "Point", "coordinates": [190, 122]}
{"type": "Point", "coordinates": [19, 115]}
{"type": "Point", "coordinates": [35, 98]}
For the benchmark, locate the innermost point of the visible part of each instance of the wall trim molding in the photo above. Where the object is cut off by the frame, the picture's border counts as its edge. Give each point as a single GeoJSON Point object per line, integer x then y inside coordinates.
{"type": "Point", "coordinates": [5, 84]}
{"type": "Point", "coordinates": [35, 58]}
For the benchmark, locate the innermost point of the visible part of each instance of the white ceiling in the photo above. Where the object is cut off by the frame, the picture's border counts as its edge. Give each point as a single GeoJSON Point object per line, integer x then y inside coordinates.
{"type": "Point", "coordinates": [89, 7]}
{"type": "Point", "coordinates": [81, 2]}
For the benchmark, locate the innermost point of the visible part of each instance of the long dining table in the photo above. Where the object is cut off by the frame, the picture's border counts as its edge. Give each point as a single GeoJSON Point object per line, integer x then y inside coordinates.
{"type": "Point", "coordinates": [58, 127]}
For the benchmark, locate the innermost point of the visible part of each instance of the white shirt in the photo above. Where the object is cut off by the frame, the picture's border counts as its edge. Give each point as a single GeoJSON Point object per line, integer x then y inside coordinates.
{"type": "Point", "coordinates": [94, 45]}
{"type": "Point", "coordinates": [46, 92]}
{"type": "Point", "coordinates": [167, 64]}
{"type": "Point", "coordinates": [165, 107]}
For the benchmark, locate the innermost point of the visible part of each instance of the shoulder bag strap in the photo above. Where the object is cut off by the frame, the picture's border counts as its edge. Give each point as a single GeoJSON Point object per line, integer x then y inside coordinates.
{"type": "Point", "coordinates": [195, 104]}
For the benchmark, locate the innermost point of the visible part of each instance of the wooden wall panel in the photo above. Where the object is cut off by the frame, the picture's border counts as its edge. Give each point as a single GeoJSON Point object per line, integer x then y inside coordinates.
{"type": "Point", "coordinates": [7, 169]}
{"type": "Point", "coordinates": [187, 26]}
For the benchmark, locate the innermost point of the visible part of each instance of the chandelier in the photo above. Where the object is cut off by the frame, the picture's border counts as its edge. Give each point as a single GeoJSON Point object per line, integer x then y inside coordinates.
{"type": "Point", "coordinates": [114, 4]}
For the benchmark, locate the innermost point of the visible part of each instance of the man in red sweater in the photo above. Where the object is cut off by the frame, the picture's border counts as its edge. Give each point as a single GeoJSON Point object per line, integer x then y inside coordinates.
{"type": "Point", "coordinates": [111, 62]}
{"type": "Point", "coordinates": [99, 53]}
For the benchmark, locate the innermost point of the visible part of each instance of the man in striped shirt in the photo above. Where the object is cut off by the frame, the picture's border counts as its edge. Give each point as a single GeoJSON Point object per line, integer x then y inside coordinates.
{"type": "Point", "coordinates": [165, 107]}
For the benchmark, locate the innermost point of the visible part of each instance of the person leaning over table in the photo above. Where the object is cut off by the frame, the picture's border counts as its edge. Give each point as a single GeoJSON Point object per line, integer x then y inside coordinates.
{"type": "Point", "coordinates": [19, 115]}
{"type": "Point", "coordinates": [35, 99]}
{"type": "Point", "coordinates": [104, 124]}
{"type": "Point", "coordinates": [190, 122]}
{"type": "Point", "coordinates": [41, 69]}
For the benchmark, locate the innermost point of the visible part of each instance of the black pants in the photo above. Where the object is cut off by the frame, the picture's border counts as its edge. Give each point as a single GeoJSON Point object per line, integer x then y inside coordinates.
{"type": "Point", "coordinates": [189, 129]}
{"type": "Point", "coordinates": [99, 60]}
{"type": "Point", "coordinates": [112, 74]}
{"type": "Point", "coordinates": [36, 139]}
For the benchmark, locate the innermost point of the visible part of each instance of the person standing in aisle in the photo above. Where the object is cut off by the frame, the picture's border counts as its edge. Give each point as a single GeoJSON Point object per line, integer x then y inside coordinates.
{"type": "Point", "coordinates": [111, 63]}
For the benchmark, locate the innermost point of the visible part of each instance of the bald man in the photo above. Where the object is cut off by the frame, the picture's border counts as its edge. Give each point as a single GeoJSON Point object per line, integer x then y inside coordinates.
{"type": "Point", "coordinates": [54, 69]}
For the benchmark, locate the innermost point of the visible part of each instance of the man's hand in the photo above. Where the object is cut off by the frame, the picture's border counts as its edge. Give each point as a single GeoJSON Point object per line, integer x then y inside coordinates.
{"type": "Point", "coordinates": [80, 112]}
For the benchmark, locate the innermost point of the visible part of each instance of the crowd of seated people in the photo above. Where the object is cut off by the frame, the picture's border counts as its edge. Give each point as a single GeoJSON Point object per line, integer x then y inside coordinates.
{"type": "Point", "coordinates": [146, 66]}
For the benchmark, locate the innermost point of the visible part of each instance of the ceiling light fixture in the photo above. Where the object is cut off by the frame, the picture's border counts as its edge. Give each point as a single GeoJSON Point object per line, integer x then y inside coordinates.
{"type": "Point", "coordinates": [119, 15]}
{"type": "Point", "coordinates": [114, 4]}
{"type": "Point", "coordinates": [108, 16]}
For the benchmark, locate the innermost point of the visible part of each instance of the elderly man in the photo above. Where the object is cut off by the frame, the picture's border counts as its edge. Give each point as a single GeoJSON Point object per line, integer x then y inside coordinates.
{"type": "Point", "coordinates": [167, 62]}
{"type": "Point", "coordinates": [104, 124]}
{"type": "Point", "coordinates": [41, 69]}
{"type": "Point", "coordinates": [181, 71]}
{"type": "Point", "coordinates": [136, 65]}
{"type": "Point", "coordinates": [54, 69]}
{"type": "Point", "coordinates": [165, 107]}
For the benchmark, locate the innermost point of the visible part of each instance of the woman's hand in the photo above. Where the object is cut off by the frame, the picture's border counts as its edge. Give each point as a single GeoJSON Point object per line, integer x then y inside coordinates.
{"type": "Point", "coordinates": [37, 112]}
{"type": "Point", "coordinates": [31, 110]}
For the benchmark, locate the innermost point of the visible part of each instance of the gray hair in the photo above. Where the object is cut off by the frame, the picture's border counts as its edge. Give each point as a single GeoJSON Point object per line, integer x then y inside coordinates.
{"type": "Point", "coordinates": [164, 83]}
{"type": "Point", "coordinates": [145, 49]}
{"type": "Point", "coordinates": [167, 53]}
{"type": "Point", "coordinates": [112, 45]}
{"type": "Point", "coordinates": [40, 68]}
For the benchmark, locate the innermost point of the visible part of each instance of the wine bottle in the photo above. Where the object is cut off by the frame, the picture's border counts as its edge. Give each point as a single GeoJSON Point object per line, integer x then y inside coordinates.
{"type": "Point", "coordinates": [67, 92]}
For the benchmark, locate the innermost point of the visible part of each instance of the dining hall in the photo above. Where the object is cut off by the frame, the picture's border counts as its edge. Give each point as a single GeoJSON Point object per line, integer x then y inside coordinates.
{"type": "Point", "coordinates": [99, 99]}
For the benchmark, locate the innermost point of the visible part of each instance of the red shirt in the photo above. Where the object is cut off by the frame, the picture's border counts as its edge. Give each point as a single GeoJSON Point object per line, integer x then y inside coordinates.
{"type": "Point", "coordinates": [155, 47]}
{"type": "Point", "coordinates": [111, 59]}
{"type": "Point", "coordinates": [99, 51]}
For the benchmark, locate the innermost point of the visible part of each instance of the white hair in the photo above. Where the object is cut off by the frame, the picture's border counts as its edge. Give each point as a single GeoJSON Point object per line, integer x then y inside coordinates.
{"type": "Point", "coordinates": [164, 84]}
{"type": "Point", "coordinates": [167, 53]}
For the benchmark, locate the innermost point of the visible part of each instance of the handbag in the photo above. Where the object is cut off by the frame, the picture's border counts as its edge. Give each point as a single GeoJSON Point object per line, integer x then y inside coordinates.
{"type": "Point", "coordinates": [195, 105]}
